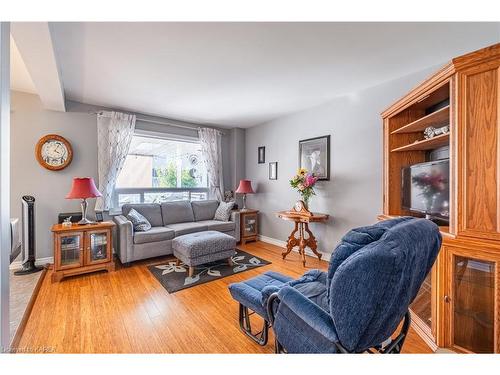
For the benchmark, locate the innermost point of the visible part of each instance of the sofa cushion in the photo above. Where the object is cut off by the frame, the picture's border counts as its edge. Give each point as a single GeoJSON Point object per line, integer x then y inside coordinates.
{"type": "Point", "coordinates": [223, 212]}
{"type": "Point", "coordinates": [185, 228]}
{"type": "Point", "coordinates": [155, 234]}
{"type": "Point", "coordinates": [176, 212]}
{"type": "Point", "coordinates": [221, 226]}
{"type": "Point", "coordinates": [150, 211]}
{"type": "Point", "coordinates": [140, 223]}
{"type": "Point", "coordinates": [204, 210]}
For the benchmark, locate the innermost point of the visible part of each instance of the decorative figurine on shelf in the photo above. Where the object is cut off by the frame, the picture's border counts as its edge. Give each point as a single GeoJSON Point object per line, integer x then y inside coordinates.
{"type": "Point", "coordinates": [67, 222]}
{"type": "Point", "coordinates": [431, 132]}
{"type": "Point", "coordinates": [304, 182]}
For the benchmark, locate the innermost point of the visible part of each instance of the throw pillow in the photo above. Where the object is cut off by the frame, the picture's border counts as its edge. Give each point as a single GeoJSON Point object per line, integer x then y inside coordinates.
{"type": "Point", "coordinates": [140, 223]}
{"type": "Point", "coordinates": [223, 212]}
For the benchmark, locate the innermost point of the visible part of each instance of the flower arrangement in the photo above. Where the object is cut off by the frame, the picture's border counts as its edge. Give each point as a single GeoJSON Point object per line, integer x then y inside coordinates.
{"type": "Point", "coordinates": [304, 182]}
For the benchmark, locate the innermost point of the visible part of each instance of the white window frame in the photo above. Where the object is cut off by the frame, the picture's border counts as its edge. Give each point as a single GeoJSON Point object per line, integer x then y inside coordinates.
{"type": "Point", "coordinates": [142, 191]}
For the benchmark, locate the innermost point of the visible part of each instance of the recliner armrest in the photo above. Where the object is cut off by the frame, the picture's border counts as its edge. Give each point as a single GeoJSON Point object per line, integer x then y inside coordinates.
{"type": "Point", "coordinates": [313, 315]}
{"type": "Point", "coordinates": [125, 241]}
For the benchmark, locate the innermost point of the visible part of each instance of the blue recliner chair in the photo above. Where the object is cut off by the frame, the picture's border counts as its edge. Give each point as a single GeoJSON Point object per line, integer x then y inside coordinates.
{"type": "Point", "coordinates": [374, 274]}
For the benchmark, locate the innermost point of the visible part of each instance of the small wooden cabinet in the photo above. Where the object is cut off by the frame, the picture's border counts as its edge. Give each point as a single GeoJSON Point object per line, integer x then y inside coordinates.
{"type": "Point", "coordinates": [82, 248]}
{"type": "Point", "coordinates": [249, 224]}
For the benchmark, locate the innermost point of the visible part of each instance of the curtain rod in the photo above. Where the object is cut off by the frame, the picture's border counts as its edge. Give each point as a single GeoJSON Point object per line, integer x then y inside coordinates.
{"type": "Point", "coordinates": [194, 127]}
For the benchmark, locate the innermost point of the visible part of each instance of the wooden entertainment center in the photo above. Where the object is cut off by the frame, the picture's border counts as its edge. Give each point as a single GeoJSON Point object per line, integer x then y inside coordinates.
{"type": "Point", "coordinates": [458, 306]}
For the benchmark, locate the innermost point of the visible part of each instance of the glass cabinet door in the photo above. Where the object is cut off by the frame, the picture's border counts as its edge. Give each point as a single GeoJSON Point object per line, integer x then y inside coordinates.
{"type": "Point", "coordinates": [98, 249]}
{"type": "Point", "coordinates": [250, 225]}
{"type": "Point", "coordinates": [71, 246]}
{"type": "Point", "coordinates": [473, 304]}
{"type": "Point", "coordinates": [422, 304]}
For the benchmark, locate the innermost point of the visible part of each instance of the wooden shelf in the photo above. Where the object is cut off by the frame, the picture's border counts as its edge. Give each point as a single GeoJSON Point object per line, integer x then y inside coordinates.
{"type": "Point", "coordinates": [425, 144]}
{"type": "Point", "coordinates": [440, 117]}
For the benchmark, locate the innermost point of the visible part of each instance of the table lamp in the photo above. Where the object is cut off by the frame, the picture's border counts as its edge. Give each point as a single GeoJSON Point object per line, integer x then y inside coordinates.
{"type": "Point", "coordinates": [245, 188]}
{"type": "Point", "coordinates": [83, 188]}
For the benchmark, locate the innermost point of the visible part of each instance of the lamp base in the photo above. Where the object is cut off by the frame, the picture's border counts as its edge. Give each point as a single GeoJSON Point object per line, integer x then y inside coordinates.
{"type": "Point", "coordinates": [85, 221]}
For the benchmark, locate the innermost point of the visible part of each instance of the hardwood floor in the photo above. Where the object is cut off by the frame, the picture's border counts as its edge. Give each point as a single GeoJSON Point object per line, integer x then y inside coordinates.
{"type": "Point", "coordinates": [128, 311]}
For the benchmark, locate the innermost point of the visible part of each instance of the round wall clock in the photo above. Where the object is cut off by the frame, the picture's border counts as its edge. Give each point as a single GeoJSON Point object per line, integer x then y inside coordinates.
{"type": "Point", "coordinates": [53, 152]}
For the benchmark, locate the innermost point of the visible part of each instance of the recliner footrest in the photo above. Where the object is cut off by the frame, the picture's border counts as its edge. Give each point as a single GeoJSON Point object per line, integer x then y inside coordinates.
{"type": "Point", "coordinates": [250, 292]}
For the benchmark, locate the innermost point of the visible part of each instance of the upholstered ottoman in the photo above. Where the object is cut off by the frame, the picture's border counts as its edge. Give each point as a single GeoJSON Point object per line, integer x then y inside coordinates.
{"type": "Point", "coordinates": [199, 248]}
{"type": "Point", "coordinates": [253, 294]}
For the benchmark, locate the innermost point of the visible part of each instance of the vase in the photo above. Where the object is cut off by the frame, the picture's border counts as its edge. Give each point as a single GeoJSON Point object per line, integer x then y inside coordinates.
{"type": "Point", "coordinates": [306, 202]}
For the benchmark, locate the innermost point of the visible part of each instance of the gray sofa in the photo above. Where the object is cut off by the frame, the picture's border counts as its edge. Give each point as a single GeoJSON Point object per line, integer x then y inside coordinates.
{"type": "Point", "coordinates": [168, 220]}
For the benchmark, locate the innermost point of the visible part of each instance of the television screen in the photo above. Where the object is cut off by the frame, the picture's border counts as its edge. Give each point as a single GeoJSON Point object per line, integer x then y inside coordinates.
{"type": "Point", "coordinates": [426, 188]}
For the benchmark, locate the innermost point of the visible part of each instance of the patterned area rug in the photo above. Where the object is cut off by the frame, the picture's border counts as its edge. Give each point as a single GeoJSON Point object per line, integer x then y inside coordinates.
{"type": "Point", "coordinates": [175, 278]}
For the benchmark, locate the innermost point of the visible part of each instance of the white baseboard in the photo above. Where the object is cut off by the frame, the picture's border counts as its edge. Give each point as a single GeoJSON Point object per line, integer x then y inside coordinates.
{"type": "Point", "coordinates": [39, 262]}
{"type": "Point", "coordinates": [274, 241]}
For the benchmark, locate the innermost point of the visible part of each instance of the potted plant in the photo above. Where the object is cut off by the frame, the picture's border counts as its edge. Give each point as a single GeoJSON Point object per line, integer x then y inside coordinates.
{"type": "Point", "coordinates": [304, 182]}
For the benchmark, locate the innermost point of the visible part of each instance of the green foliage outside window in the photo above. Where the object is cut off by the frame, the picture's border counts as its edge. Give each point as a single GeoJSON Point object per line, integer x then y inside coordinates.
{"type": "Point", "coordinates": [167, 177]}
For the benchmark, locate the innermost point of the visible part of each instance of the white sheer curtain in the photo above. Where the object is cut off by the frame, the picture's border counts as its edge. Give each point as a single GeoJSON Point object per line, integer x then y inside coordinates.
{"type": "Point", "coordinates": [114, 135]}
{"type": "Point", "coordinates": [211, 149]}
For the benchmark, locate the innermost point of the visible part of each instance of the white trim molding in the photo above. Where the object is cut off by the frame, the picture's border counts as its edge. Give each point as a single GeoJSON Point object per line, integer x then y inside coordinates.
{"type": "Point", "coordinates": [39, 262]}
{"type": "Point", "coordinates": [273, 241]}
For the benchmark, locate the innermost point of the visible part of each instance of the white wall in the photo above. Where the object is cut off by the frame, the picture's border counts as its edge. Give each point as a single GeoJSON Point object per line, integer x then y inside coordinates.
{"type": "Point", "coordinates": [353, 196]}
{"type": "Point", "coordinates": [29, 123]}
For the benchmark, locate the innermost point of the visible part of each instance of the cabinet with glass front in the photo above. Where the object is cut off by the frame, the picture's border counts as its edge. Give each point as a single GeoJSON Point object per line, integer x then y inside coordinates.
{"type": "Point", "coordinates": [82, 248]}
{"type": "Point", "coordinates": [249, 225]}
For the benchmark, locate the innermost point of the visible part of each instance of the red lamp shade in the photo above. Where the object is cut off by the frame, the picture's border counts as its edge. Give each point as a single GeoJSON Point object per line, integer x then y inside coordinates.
{"type": "Point", "coordinates": [82, 188]}
{"type": "Point", "coordinates": [245, 187]}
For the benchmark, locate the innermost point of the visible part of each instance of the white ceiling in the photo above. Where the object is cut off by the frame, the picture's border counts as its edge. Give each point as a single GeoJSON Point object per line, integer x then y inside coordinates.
{"type": "Point", "coordinates": [243, 74]}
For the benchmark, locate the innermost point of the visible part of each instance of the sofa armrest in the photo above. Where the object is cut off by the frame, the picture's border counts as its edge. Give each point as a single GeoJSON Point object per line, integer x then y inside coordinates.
{"type": "Point", "coordinates": [235, 217]}
{"type": "Point", "coordinates": [125, 242]}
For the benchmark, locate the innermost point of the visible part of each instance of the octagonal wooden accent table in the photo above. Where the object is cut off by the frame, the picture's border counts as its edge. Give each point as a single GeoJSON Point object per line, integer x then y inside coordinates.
{"type": "Point", "coordinates": [301, 222]}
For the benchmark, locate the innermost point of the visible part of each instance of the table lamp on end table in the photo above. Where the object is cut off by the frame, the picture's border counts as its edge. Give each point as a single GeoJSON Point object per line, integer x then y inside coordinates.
{"type": "Point", "coordinates": [245, 188]}
{"type": "Point", "coordinates": [83, 188]}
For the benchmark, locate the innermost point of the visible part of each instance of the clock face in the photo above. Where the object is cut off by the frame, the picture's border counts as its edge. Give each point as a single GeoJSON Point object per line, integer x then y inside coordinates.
{"type": "Point", "coordinates": [54, 152]}
{"type": "Point", "coordinates": [298, 206]}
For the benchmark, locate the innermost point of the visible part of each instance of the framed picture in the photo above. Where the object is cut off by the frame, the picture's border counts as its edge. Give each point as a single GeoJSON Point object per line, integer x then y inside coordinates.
{"type": "Point", "coordinates": [273, 170]}
{"type": "Point", "coordinates": [262, 155]}
{"type": "Point", "coordinates": [314, 155]}
{"type": "Point", "coordinates": [98, 216]}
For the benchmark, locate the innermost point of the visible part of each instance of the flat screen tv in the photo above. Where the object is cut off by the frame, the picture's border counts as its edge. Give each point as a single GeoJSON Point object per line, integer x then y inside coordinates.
{"type": "Point", "coordinates": [426, 188]}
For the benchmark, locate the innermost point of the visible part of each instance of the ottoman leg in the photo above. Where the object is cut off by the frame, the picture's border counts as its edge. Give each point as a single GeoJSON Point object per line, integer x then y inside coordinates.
{"type": "Point", "coordinates": [177, 262]}
{"type": "Point", "coordinates": [259, 337]}
{"type": "Point", "coordinates": [230, 262]}
{"type": "Point", "coordinates": [191, 271]}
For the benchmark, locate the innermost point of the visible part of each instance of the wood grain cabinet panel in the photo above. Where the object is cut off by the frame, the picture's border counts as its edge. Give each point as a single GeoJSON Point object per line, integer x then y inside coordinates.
{"type": "Point", "coordinates": [479, 193]}
{"type": "Point", "coordinates": [458, 307]}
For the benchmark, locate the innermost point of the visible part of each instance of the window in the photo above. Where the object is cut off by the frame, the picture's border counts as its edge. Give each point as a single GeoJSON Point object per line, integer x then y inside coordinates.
{"type": "Point", "coordinates": [161, 169]}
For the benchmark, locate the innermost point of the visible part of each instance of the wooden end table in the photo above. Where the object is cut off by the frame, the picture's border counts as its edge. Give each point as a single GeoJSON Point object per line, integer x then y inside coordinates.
{"type": "Point", "coordinates": [301, 222]}
{"type": "Point", "coordinates": [249, 224]}
{"type": "Point", "coordinates": [81, 249]}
